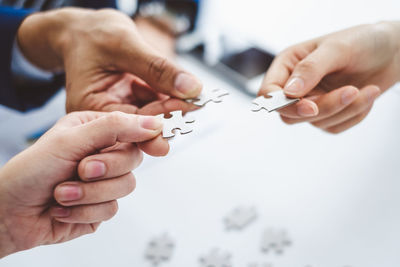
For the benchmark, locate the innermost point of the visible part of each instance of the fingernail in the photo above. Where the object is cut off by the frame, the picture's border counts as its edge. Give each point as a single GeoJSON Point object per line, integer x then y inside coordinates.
{"type": "Point", "coordinates": [150, 122]}
{"type": "Point", "coordinates": [94, 169]}
{"type": "Point", "coordinates": [187, 84]}
{"type": "Point", "coordinates": [349, 95]}
{"type": "Point", "coordinates": [373, 94]}
{"type": "Point", "coordinates": [307, 109]}
{"type": "Point", "coordinates": [60, 212]}
{"type": "Point", "coordinates": [68, 192]}
{"type": "Point", "coordinates": [294, 85]}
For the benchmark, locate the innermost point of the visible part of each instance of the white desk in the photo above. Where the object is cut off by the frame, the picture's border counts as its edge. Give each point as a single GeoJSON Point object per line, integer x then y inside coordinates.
{"type": "Point", "coordinates": [338, 196]}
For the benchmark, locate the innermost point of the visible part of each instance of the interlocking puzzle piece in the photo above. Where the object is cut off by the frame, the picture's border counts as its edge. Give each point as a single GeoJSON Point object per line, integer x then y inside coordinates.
{"type": "Point", "coordinates": [176, 122]}
{"type": "Point", "coordinates": [276, 240]}
{"type": "Point", "coordinates": [160, 249]}
{"type": "Point", "coordinates": [240, 217]}
{"type": "Point", "coordinates": [214, 95]}
{"type": "Point", "coordinates": [273, 101]}
{"type": "Point", "coordinates": [216, 258]}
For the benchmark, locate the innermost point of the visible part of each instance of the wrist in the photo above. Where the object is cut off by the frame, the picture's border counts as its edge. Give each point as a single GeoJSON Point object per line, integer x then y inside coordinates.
{"type": "Point", "coordinates": [44, 36]}
{"type": "Point", "coordinates": [393, 27]}
{"type": "Point", "coordinates": [7, 245]}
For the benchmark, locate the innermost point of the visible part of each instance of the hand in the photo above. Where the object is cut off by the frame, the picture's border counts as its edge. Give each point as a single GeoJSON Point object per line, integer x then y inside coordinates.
{"type": "Point", "coordinates": [338, 76]}
{"type": "Point", "coordinates": [96, 55]}
{"type": "Point", "coordinates": [67, 183]}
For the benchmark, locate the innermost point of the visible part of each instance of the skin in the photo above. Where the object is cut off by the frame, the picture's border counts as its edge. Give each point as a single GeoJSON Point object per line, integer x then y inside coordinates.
{"type": "Point", "coordinates": [338, 76]}
{"type": "Point", "coordinates": [97, 55]}
{"type": "Point", "coordinates": [67, 183]}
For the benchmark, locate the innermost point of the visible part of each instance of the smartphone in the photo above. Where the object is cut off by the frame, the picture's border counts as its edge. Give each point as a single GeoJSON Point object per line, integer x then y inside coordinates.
{"type": "Point", "coordinates": [244, 68]}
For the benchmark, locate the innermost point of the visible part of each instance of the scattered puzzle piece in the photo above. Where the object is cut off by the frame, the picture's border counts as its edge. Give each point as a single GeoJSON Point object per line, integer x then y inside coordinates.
{"type": "Point", "coordinates": [240, 217]}
{"type": "Point", "coordinates": [160, 249]}
{"type": "Point", "coordinates": [273, 101]}
{"type": "Point", "coordinates": [275, 240]}
{"type": "Point", "coordinates": [208, 96]}
{"type": "Point", "coordinates": [215, 258]}
{"type": "Point", "coordinates": [176, 122]}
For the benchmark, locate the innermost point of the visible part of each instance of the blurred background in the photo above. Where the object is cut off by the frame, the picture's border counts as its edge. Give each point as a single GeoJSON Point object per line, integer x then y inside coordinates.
{"type": "Point", "coordinates": [338, 196]}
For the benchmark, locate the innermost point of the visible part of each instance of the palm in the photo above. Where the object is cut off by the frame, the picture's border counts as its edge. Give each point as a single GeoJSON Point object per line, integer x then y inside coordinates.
{"type": "Point", "coordinates": [127, 93]}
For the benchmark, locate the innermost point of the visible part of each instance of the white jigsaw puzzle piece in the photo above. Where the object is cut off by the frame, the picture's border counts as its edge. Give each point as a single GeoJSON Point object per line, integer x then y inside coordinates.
{"type": "Point", "coordinates": [160, 249]}
{"type": "Point", "coordinates": [216, 259]}
{"type": "Point", "coordinates": [214, 95]}
{"type": "Point", "coordinates": [277, 100]}
{"type": "Point", "coordinates": [240, 217]}
{"type": "Point", "coordinates": [276, 240]}
{"type": "Point", "coordinates": [176, 122]}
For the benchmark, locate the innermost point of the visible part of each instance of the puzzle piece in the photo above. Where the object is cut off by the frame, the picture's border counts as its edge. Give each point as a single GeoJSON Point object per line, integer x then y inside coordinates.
{"type": "Point", "coordinates": [160, 249]}
{"type": "Point", "coordinates": [275, 240]}
{"type": "Point", "coordinates": [215, 258]}
{"type": "Point", "coordinates": [214, 95]}
{"type": "Point", "coordinates": [176, 122]}
{"type": "Point", "coordinates": [273, 101]}
{"type": "Point", "coordinates": [240, 217]}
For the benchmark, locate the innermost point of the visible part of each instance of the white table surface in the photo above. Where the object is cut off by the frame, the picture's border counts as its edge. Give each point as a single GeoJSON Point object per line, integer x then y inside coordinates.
{"type": "Point", "coordinates": [338, 196]}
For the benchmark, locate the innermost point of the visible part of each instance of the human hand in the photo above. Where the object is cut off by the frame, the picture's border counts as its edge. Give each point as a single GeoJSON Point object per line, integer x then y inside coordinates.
{"type": "Point", "coordinates": [67, 183]}
{"type": "Point", "coordinates": [338, 76]}
{"type": "Point", "coordinates": [97, 55]}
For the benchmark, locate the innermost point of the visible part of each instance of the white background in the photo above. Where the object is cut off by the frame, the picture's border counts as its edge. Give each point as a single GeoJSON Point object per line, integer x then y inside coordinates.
{"type": "Point", "coordinates": [337, 195]}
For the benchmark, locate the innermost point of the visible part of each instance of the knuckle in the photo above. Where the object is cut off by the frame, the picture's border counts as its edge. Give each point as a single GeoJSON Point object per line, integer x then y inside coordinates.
{"type": "Point", "coordinates": [158, 68]}
{"type": "Point", "coordinates": [115, 118]}
{"type": "Point", "coordinates": [307, 65]}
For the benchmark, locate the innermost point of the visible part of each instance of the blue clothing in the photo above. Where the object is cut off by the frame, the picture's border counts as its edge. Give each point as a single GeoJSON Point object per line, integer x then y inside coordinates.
{"type": "Point", "coordinates": [24, 98]}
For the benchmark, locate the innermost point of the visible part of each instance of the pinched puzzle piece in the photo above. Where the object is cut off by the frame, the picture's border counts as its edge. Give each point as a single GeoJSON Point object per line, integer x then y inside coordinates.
{"type": "Point", "coordinates": [273, 101]}
{"type": "Point", "coordinates": [160, 249]}
{"type": "Point", "coordinates": [214, 95]}
{"type": "Point", "coordinates": [240, 217]}
{"type": "Point", "coordinates": [176, 122]}
{"type": "Point", "coordinates": [215, 258]}
{"type": "Point", "coordinates": [275, 240]}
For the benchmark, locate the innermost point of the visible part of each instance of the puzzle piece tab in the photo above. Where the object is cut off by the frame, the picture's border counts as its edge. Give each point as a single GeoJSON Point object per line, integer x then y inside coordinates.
{"type": "Point", "coordinates": [176, 122]}
{"type": "Point", "coordinates": [276, 240]}
{"type": "Point", "coordinates": [240, 217]}
{"type": "Point", "coordinates": [273, 101]}
{"type": "Point", "coordinates": [214, 95]}
{"type": "Point", "coordinates": [160, 249]}
{"type": "Point", "coordinates": [216, 258]}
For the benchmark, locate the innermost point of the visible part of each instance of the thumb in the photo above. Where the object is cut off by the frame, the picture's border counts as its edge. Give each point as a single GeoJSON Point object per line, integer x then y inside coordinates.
{"type": "Point", "coordinates": [159, 72]}
{"type": "Point", "coordinates": [309, 72]}
{"type": "Point", "coordinates": [110, 128]}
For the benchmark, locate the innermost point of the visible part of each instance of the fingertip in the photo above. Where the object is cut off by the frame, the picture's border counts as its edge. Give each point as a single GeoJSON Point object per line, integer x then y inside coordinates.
{"type": "Point", "coordinates": [153, 123]}
{"type": "Point", "coordinates": [294, 87]}
{"type": "Point", "coordinates": [157, 147]}
{"type": "Point", "coordinates": [374, 92]}
{"type": "Point", "coordinates": [307, 108]}
{"type": "Point", "coordinates": [349, 94]}
{"type": "Point", "coordinates": [187, 85]}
